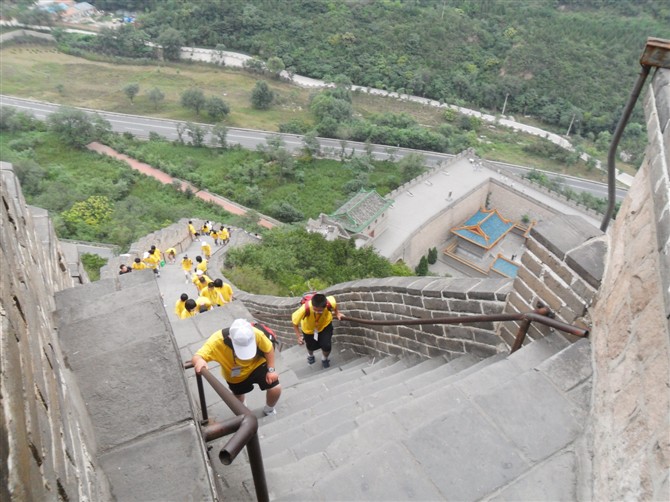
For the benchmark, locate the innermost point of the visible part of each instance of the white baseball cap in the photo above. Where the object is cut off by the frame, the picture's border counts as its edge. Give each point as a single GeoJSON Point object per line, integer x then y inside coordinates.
{"type": "Point", "coordinates": [244, 339]}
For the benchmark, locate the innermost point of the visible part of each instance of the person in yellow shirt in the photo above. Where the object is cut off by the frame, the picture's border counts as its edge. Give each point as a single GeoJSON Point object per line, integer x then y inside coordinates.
{"type": "Point", "coordinates": [192, 232]}
{"type": "Point", "coordinates": [225, 290]}
{"type": "Point", "coordinates": [190, 309]}
{"type": "Point", "coordinates": [214, 235]}
{"type": "Point", "coordinates": [186, 266]}
{"type": "Point", "coordinates": [313, 326]}
{"type": "Point", "coordinates": [171, 255]}
{"type": "Point", "coordinates": [181, 304]}
{"type": "Point", "coordinates": [246, 357]}
{"type": "Point", "coordinates": [201, 264]}
{"type": "Point", "coordinates": [152, 259]}
{"type": "Point", "coordinates": [206, 250]}
{"type": "Point", "coordinates": [224, 235]}
{"type": "Point", "coordinates": [138, 264]}
{"type": "Point", "coordinates": [213, 294]}
{"type": "Point", "coordinates": [203, 304]}
{"type": "Point", "coordinates": [199, 284]}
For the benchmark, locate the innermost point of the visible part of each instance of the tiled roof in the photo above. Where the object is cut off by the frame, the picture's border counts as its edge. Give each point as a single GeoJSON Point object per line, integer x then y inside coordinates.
{"type": "Point", "coordinates": [485, 228]}
{"type": "Point", "coordinates": [505, 267]}
{"type": "Point", "coordinates": [361, 210]}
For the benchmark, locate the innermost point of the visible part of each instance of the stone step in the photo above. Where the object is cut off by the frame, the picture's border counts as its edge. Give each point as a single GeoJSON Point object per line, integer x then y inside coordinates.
{"type": "Point", "coordinates": [415, 443]}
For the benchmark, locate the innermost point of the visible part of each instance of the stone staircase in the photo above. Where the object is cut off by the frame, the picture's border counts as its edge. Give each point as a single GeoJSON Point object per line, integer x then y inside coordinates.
{"type": "Point", "coordinates": [509, 427]}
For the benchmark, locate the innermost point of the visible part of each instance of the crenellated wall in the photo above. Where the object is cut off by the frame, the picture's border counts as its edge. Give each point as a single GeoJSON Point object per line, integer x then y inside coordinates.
{"type": "Point", "coordinates": [45, 433]}
{"type": "Point", "coordinates": [398, 299]}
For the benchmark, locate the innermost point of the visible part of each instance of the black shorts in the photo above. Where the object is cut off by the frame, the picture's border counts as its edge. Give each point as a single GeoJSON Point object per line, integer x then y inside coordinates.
{"type": "Point", "coordinates": [247, 385]}
{"type": "Point", "coordinates": [324, 341]}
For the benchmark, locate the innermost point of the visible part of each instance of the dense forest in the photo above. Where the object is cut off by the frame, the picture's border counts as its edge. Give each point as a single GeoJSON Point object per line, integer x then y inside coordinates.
{"type": "Point", "coordinates": [561, 61]}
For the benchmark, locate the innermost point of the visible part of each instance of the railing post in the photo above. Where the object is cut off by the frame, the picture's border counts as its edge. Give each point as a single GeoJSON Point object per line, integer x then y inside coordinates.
{"type": "Point", "coordinates": [201, 395]}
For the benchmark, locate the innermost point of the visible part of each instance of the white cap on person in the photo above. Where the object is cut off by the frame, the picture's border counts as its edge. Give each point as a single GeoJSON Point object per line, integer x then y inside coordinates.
{"type": "Point", "coordinates": [244, 339]}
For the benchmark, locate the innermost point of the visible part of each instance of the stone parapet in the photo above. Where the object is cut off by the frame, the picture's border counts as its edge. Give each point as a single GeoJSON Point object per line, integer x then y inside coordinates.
{"type": "Point", "coordinates": [631, 335]}
{"type": "Point", "coordinates": [398, 299]}
{"type": "Point", "coordinates": [562, 269]}
{"type": "Point", "coordinates": [45, 433]}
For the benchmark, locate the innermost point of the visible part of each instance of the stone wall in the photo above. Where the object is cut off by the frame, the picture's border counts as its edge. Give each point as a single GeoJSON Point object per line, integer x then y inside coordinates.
{"type": "Point", "coordinates": [631, 332]}
{"type": "Point", "coordinates": [45, 436]}
{"type": "Point", "coordinates": [562, 269]}
{"type": "Point", "coordinates": [398, 299]}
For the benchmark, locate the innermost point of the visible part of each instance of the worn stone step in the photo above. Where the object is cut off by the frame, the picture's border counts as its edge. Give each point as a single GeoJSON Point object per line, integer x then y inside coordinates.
{"type": "Point", "coordinates": [388, 398]}
{"type": "Point", "coordinates": [385, 472]}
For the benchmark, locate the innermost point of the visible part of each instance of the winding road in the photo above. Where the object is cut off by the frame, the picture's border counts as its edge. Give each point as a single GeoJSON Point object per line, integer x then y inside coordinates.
{"type": "Point", "coordinates": [141, 127]}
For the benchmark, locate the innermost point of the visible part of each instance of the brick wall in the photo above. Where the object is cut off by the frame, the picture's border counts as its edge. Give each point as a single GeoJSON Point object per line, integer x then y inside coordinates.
{"type": "Point", "coordinates": [398, 298]}
{"type": "Point", "coordinates": [44, 436]}
{"type": "Point", "coordinates": [561, 268]}
{"type": "Point", "coordinates": [631, 335]}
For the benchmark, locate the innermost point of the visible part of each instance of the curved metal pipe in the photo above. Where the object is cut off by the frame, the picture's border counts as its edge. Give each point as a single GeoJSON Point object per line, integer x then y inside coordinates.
{"type": "Point", "coordinates": [531, 316]}
{"type": "Point", "coordinates": [611, 155]}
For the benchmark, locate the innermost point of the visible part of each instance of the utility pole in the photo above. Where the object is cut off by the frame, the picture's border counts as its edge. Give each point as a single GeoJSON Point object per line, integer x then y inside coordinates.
{"type": "Point", "coordinates": [505, 104]}
{"type": "Point", "coordinates": [567, 134]}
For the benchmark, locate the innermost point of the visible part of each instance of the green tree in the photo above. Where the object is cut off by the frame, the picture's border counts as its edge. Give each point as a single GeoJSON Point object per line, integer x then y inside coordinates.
{"type": "Point", "coordinates": [422, 267]}
{"type": "Point", "coordinates": [262, 96]}
{"type": "Point", "coordinates": [193, 99]}
{"type": "Point", "coordinates": [197, 134]}
{"type": "Point", "coordinates": [92, 214]}
{"type": "Point", "coordinates": [171, 40]}
{"type": "Point", "coordinates": [131, 90]}
{"type": "Point", "coordinates": [311, 144]}
{"type": "Point", "coordinates": [432, 255]}
{"type": "Point", "coordinates": [216, 108]}
{"type": "Point", "coordinates": [275, 66]}
{"type": "Point", "coordinates": [156, 96]}
{"type": "Point", "coordinates": [411, 165]}
{"type": "Point", "coordinates": [285, 212]}
{"type": "Point", "coordinates": [75, 128]}
{"type": "Point", "coordinates": [219, 135]}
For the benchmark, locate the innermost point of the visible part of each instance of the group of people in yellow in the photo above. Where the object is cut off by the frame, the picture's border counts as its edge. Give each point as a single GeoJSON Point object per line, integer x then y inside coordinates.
{"type": "Point", "coordinates": [221, 236]}
{"type": "Point", "coordinates": [210, 293]}
{"type": "Point", "coordinates": [152, 259]}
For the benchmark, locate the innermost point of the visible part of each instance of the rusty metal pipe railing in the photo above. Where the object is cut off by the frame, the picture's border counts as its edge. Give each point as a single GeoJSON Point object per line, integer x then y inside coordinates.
{"type": "Point", "coordinates": [656, 54]}
{"type": "Point", "coordinates": [521, 316]}
{"type": "Point", "coordinates": [611, 154]}
{"type": "Point", "coordinates": [244, 429]}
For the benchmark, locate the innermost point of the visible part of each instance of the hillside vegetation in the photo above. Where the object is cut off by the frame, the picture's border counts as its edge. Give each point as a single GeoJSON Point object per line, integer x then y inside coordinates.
{"type": "Point", "coordinates": [552, 59]}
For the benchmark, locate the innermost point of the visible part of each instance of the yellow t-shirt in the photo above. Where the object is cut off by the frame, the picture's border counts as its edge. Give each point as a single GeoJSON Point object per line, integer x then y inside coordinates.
{"type": "Point", "coordinates": [187, 264]}
{"type": "Point", "coordinates": [179, 306]}
{"type": "Point", "coordinates": [213, 295]}
{"type": "Point", "coordinates": [203, 302]}
{"type": "Point", "coordinates": [226, 291]}
{"type": "Point", "coordinates": [202, 265]}
{"type": "Point", "coordinates": [215, 350]}
{"type": "Point", "coordinates": [308, 322]}
{"type": "Point", "coordinates": [138, 266]}
{"type": "Point", "coordinates": [185, 314]}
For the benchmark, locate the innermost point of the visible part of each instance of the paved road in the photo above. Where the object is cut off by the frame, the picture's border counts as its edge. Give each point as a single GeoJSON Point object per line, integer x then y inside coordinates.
{"type": "Point", "coordinates": [141, 127]}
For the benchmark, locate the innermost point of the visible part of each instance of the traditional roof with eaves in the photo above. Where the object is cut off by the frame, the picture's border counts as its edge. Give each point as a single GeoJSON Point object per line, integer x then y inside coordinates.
{"type": "Point", "coordinates": [361, 210]}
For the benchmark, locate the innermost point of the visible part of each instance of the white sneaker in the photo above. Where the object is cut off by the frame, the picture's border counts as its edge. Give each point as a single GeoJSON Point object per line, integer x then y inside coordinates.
{"type": "Point", "coordinates": [268, 411]}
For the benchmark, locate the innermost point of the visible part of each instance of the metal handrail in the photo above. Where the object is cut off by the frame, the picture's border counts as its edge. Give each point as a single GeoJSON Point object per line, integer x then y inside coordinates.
{"type": "Point", "coordinates": [243, 427]}
{"type": "Point", "coordinates": [541, 314]}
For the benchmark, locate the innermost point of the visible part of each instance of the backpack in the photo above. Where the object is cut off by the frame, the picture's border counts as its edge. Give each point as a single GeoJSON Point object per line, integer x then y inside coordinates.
{"type": "Point", "coordinates": [307, 297]}
{"type": "Point", "coordinates": [267, 331]}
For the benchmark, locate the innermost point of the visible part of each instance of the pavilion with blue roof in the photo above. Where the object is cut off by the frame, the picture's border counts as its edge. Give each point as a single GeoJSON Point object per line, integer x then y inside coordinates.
{"type": "Point", "coordinates": [483, 230]}
{"type": "Point", "coordinates": [480, 244]}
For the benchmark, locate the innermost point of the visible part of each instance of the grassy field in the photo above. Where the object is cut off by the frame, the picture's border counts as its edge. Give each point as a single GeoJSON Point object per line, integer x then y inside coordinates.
{"type": "Point", "coordinates": [43, 73]}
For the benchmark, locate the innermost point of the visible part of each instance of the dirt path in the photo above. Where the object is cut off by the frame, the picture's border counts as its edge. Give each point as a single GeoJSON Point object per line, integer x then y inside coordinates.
{"type": "Point", "coordinates": [166, 179]}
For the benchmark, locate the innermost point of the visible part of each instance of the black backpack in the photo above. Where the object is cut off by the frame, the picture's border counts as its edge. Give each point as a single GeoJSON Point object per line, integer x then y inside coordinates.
{"type": "Point", "coordinates": [267, 331]}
